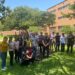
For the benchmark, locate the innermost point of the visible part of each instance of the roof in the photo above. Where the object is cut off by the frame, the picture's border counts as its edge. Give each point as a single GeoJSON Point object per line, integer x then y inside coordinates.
{"type": "Point", "coordinates": [56, 4]}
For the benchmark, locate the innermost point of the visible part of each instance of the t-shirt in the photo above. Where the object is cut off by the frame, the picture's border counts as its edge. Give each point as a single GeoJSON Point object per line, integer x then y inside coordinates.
{"type": "Point", "coordinates": [17, 45]}
{"type": "Point", "coordinates": [46, 40]}
{"type": "Point", "coordinates": [29, 52]}
{"type": "Point", "coordinates": [4, 46]}
{"type": "Point", "coordinates": [57, 39]}
{"type": "Point", "coordinates": [70, 39]}
{"type": "Point", "coordinates": [41, 37]}
{"type": "Point", "coordinates": [11, 46]}
{"type": "Point", "coordinates": [62, 40]}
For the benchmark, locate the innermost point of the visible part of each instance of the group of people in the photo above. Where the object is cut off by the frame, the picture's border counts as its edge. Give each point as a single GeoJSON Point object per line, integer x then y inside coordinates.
{"type": "Point", "coordinates": [26, 48]}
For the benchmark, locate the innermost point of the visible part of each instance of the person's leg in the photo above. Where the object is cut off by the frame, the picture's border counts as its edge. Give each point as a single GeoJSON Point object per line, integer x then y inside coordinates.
{"type": "Point", "coordinates": [56, 47]}
{"type": "Point", "coordinates": [43, 52]}
{"type": "Point", "coordinates": [11, 58]}
{"type": "Point", "coordinates": [68, 48]}
{"type": "Point", "coordinates": [3, 57]}
{"type": "Point", "coordinates": [63, 47]}
{"type": "Point", "coordinates": [47, 51]}
{"type": "Point", "coordinates": [34, 52]}
{"type": "Point", "coordinates": [71, 48]}
{"type": "Point", "coordinates": [15, 55]}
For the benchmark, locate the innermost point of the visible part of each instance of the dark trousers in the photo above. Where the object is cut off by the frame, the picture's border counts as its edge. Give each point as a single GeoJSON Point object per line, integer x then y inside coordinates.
{"type": "Point", "coordinates": [11, 53]}
{"type": "Point", "coordinates": [20, 52]}
{"type": "Point", "coordinates": [27, 62]}
{"type": "Point", "coordinates": [57, 47]}
{"type": "Point", "coordinates": [62, 47]}
{"type": "Point", "coordinates": [34, 49]}
{"type": "Point", "coordinates": [46, 51]}
{"type": "Point", "coordinates": [3, 58]}
{"type": "Point", "coordinates": [16, 55]}
{"type": "Point", "coordinates": [41, 50]}
{"type": "Point", "coordinates": [69, 48]}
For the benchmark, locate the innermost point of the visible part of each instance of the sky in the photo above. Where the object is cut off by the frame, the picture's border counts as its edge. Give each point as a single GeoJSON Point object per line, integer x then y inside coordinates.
{"type": "Point", "coordinates": [40, 4]}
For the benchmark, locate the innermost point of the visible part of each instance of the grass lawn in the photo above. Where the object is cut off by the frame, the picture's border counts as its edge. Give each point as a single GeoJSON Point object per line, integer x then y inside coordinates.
{"type": "Point", "coordinates": [56, 64]}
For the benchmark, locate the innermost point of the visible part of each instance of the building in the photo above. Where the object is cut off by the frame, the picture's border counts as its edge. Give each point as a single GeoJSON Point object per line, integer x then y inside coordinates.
{"type": "Point", "coordinates": [58, 9]}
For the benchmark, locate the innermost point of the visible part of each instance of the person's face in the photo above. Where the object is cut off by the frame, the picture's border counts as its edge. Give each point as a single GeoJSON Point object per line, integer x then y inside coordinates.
{"type": "Point", "coordinates": [41, 33]}
{"type": "Point", "coordinates": [5, 39]}
{"type": "Point", "coordinates": [46, 34]}
{"type": "Point", "coordinates": [62, 34]}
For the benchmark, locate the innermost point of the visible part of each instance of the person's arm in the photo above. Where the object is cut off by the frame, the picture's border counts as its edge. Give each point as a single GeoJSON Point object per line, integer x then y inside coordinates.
{"type": "Point", "coordinates": [7, 46]}
{"type": "Point", "coordinates": [29, 57]}
{"type": "Point", "coordinates": [48, 43]}
{"type": "Point", "coordinates": [43, 43]}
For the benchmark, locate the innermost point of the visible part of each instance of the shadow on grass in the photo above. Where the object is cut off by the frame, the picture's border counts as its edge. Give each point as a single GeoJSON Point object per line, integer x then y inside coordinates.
{"type": "Point", "coordinates": [57, 64]}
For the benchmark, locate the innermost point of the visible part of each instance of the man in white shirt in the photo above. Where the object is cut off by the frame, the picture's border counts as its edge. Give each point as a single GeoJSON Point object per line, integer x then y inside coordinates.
{"type": "Point", "coordinates": [62, 42]}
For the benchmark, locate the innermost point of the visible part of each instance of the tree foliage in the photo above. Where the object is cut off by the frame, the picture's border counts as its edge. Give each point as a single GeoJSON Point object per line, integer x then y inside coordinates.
{"type": "Point", "coordinates": [2, 8]}
{"type": "Point", "coordinates": [67, 29]}
{"type": "Point", "coordinates": [24, 17]}
{"type": "Point", "coordinates": [72, 14]}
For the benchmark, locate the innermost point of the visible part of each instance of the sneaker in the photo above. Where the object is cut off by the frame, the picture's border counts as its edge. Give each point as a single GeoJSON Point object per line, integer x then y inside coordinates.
{"type": "Point", "coordinates": [3, 69]}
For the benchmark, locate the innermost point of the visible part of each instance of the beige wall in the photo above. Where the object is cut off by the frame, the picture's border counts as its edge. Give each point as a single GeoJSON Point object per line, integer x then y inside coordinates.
{"type": "Point", "coordinates": [9, 32]}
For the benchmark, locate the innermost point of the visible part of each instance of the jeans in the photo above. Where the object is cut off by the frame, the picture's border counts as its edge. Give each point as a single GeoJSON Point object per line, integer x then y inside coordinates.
{"type": "Point", "coordinates": [3, 58]}
{"type": "Point", "coordinates": [16, 56]}
{"type": "Point", "coordinates": [57, 47]}
{"type": "Point", "coordinates": [34, 51]}
{"type": "Point", "coordinates": [69, 48]}
{"type": "Point", "coordinates": [46, 51]}
{"type": "Point", "coordinates": [62, 47]}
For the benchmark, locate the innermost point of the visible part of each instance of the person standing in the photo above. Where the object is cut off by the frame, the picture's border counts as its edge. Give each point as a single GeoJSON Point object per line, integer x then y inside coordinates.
{"type": "Point", "coordinates": [70, 42]}
{"type": "Point", "coordinates": [11, 50]}
{"type": "Point", "coordinates": [4, 49]}
{"type": "Point", "coordinates": [34, 44]}
{"type": "Point", "coordinates": [46, 43]}
{"type": "Point", "coordinates": [52, 37]}
{"type": "Point", "coordinates": [16, 49]}
{"type": "Point", "coordinates": [57, 40]}
{"type": "Point", "coordinates": [62, 42]}
{"type": "Point", "coordinates": [41, 37]}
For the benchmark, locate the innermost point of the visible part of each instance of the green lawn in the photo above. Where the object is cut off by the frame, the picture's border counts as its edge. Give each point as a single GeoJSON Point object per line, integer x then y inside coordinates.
{"type": "Point", "coordinates": [56, 64]}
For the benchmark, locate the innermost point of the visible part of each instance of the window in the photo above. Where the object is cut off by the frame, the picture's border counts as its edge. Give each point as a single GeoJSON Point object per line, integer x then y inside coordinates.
{"type": "Point", "coordinates": [60, 17]}
{"type": "Point", "coordinates": [63, 7]}
{"type": "Point", "coordinates": [59, 28]}
{"type": "Point", "coordinates": [52, 11]}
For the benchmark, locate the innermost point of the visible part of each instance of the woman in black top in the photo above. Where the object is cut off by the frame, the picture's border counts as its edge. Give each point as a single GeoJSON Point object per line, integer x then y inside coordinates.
{"type": "Point", "coordinates": [46, 43]}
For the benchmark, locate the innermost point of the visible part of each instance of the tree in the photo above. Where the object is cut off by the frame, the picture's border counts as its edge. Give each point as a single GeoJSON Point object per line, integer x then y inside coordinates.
{"type": "Point", "coordinates": [47, 18]}
{"type": "Point", "coordinates": [21, 17]}
{"type": "Point", "coordinates": [67, 29]}
{"type": "Point", "coordinates": [2, 8]}
{"type": "Point", "coordinates": [72, 14]}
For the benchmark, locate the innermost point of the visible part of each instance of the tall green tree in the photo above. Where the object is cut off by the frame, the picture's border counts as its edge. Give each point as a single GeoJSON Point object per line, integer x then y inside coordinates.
{"type": "Point", "coordinates": [2, 8]}
{"type": "Point", "coordinates": [47, 18]}
{"type": "Point", "coordinates": [21, 17]}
